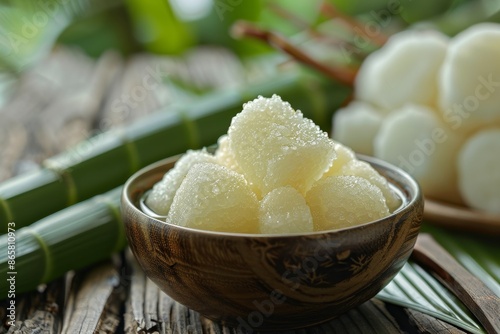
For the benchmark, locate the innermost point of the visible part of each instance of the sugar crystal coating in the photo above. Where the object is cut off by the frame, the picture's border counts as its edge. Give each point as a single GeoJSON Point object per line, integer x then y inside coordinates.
{"type": "Point", "coordinates": [276, 146]}
{"type": "Point", "coordinates": [275, 172]}
{"type": "Point", "coordinates": [344, 201]}
{"type": "Point", "coordinates": [346, 163]}
{"type": "Point", "coordinates": [284, 210]}
{"type": "Point", "coordinates": [225, 156]}
{"type": "Point", "coordinates": [364, 170]}
{"type": "Point", "coordinates": [213, 197]}
{"type": "Point", "coordinates": [161, 197]}
{"type": "Point", "coordinates": [344, 156]}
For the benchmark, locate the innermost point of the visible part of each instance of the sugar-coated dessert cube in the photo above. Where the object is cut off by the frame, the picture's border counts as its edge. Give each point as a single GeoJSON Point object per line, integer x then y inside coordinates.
{"type": "Point", "coordinates": [213, 197]}
{"type": "Point", "coordinates": [344, 201]}
{"type": "Point", "coordinates": [276, 146]}
{"type": "Point", "coordinates": [344, 156]}
{"type": "Point", "coordinates": [225, 156]}
{"type": "Point", "coordinates": [284, 210]}
{"type": "Point", "coordinates": [162, 194]}
{"type": "Point", "coordinates": [364, 170]}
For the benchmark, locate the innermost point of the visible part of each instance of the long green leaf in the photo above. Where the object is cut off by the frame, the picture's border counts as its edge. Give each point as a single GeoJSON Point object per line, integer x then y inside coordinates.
{"type": "Point", "coordinates": [415, 288]}
{"type": "Point", "coordinates": [479, 254]}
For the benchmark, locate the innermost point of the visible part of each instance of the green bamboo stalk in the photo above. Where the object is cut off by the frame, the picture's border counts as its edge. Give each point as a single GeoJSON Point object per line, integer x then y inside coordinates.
{"type": "Point", "coordinates": [107, 160]}
{"type": "Point", "coordinates": [28, 193]}
{"type": "Point", "coordinates": [72, 238]}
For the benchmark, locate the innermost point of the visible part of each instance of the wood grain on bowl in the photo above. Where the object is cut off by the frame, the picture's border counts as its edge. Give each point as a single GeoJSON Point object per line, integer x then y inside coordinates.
{"type": "Point", "coordinates": [272, 281]}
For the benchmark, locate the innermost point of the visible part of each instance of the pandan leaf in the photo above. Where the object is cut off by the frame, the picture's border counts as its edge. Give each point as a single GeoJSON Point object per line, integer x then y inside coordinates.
{"type": "Point", "coordinates": [417, 289]}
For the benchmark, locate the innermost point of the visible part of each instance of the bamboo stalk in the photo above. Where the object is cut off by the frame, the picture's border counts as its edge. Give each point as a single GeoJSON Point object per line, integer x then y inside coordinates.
{"type": "Point", "coordinates": [24, 195]}
{"type": "Point", "coordinates": [107, 160]}
{"type": "Point", "coordinates": [72, 238]}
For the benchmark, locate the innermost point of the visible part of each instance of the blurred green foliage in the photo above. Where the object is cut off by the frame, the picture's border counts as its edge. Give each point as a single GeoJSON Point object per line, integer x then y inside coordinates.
{"type": "Point", "coordinates": [158, 28]}
{"type": "Point", "coordinates": [414, 11]}
{"type": "Point", "coordinates": [105, 30]}
{"type": "Point", "coordinates": [29, 28]}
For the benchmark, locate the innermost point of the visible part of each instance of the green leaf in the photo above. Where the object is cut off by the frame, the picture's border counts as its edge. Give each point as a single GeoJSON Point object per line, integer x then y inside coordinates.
{"type": "Point", "coordinates": [30, 28]}
{"type": "Point", "coordinates": [98, 33]}
{"type": "Point", "coordinates": [214, 27]}
{"type": "Point", "coordinates": [476, 253]}
{"type": "Point", "coordinates": [354, 7]}
{"type": "Point", "coordinates": [463, 15]}
{"type": "Point", "coordinates": [274, 15]}
{"type": "Point", "coordinates": [414, 11]}
{"type": "Point", "coordinates": [158, 28]}
{"type": "Point", "coordinates": [417, 289]}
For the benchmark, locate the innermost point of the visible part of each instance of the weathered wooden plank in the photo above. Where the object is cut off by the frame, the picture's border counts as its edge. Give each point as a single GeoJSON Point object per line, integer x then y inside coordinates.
{"type": "Point", "coordinates": [71, 117]}
{"type": "Point", "coordinates": [151, 294]}
{"type": "Point", "coordinates": [135, 302]}
{"type": "Point", "coordinates": [130, 325]}
{"type": "Point", "coordinates": [52, 110]}
{"type": "Point", "coordinates": [41, 311]}
{"type": "Point", "coordinates": [89, 299]}
{"type": "Point", "coordinates": [426, 324]}
{"type": "Point", "coordinates": [111, 315]}
{"type": "Point", "coordinates": [185, 320]}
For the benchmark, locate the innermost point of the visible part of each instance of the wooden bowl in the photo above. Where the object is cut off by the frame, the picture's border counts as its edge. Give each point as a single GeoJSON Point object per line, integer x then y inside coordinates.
{"type": "Point", "coordinates": [267, 282]}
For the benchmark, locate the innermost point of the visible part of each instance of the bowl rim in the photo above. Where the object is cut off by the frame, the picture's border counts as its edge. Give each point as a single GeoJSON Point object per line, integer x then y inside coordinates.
{"type": "Point", "coordinates": [409, 182]}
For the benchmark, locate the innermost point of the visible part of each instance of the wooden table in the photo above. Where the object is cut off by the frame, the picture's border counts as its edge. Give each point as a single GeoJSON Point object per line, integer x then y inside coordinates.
{"type": "Point", "coordinates": [68, 98]}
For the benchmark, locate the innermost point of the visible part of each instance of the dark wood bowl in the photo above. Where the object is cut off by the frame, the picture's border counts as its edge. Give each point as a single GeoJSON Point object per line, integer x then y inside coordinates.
{"type": "Point", "coordinates": [266, 282]}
